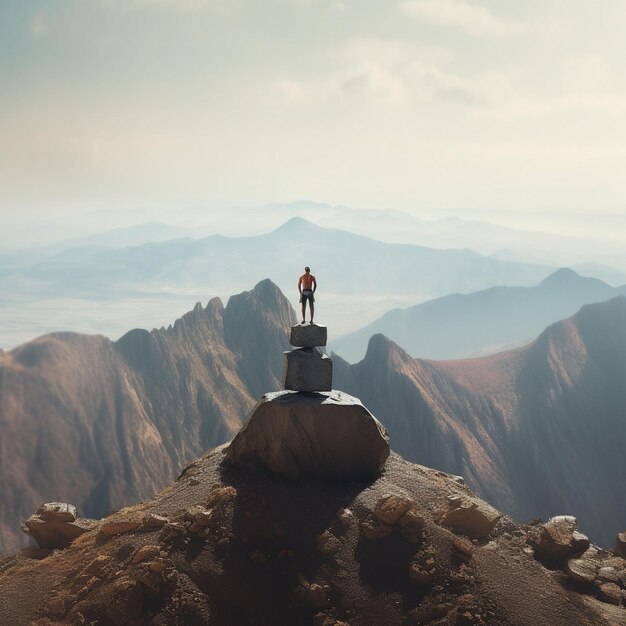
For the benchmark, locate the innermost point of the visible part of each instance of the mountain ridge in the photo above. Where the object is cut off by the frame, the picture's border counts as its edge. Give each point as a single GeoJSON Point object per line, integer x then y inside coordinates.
{"type": "Point", "coordinates": [493, 319]}
{"type": "Point", "coordinates": [127, 415]}
{"type": "Point", "coordinates": [561, 397]}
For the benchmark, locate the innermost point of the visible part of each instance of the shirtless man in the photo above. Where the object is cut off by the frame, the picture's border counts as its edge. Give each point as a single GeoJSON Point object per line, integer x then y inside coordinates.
{"type": "Point", "coordinates": [307, 286]}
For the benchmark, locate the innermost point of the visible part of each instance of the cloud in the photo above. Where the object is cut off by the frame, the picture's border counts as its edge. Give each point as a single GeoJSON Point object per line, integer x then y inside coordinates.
{"type": "Point", "coordinates": [470, 18]}
{"type": "Point", "coordinates": [393, 72]}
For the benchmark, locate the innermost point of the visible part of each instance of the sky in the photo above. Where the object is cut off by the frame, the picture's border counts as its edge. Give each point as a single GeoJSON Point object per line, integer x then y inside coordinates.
{"type": "Point", "coordinates": [456, 106]}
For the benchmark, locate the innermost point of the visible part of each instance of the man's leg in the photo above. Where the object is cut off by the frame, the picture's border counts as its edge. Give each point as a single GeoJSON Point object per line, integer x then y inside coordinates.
{"type": "Point", "coordinates": [303, 308]}
{"type": "Point", "coordinates": [312, 308]}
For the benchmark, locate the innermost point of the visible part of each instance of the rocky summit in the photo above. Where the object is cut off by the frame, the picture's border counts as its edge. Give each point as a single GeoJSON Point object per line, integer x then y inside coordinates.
{"type": "Point", "coordinates": [231, 546]}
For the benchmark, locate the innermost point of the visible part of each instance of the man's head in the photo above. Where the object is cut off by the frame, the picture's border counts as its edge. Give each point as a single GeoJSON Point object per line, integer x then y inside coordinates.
{"type": "Point", "coordinates": [307, 269]}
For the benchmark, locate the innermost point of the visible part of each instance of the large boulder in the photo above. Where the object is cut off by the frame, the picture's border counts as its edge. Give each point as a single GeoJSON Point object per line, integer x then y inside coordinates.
{"type": "Point", "coordinates": [308, 336]}
{"type": "Point", "coordinates": [308, 370]}
{"type": "Point", "coordinates": [55, 525]}
{"type": "Point", "coordinates": [331, 436]}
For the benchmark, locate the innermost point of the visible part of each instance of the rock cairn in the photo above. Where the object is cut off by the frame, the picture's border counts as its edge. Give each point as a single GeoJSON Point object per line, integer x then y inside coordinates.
{"type": "Point", "coordinates": [311, 430]}
{"type": "Point", "coordinates": [306, 368]}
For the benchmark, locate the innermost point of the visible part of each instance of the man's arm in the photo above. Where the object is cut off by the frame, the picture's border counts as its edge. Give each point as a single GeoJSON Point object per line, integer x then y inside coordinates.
{"type": "Point", "coordinates": [314, 284]}
{"type": "Point", "coordinates": [300, 285]}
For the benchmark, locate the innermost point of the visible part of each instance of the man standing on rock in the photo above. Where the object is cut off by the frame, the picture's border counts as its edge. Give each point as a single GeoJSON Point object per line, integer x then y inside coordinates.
{"type": "Point", "coordinates": [307, 286]}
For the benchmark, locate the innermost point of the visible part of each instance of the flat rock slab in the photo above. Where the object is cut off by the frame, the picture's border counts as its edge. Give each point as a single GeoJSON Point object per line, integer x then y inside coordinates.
{"type": "Point", "coordinates": [308, 336]}
{"type": "Point", "coordinates": [307, 369]}
{"type": "Point", "coordinates": [329, 436]}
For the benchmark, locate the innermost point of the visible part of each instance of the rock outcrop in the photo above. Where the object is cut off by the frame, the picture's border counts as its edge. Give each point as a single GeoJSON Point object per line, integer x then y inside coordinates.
{"type": "Point", "coordinates": [56, 525]}
{"type": "Point", "coordinates": [327, 435]}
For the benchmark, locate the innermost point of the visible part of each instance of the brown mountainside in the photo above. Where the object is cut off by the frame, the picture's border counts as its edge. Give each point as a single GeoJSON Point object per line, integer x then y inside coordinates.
{"type": "Point", "coordinates": [536, 431]}
{"type": "Point", "coordinates": [102, 423]}
{"type": "Point", "coordinates": [238, 547]}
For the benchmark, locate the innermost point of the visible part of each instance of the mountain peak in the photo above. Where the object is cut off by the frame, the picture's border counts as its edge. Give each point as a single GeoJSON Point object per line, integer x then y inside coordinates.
{"type": "Point", "coordinates": [382, 348]}
{"type": "Point", "coordinates": [297, 225]}
{"type": "Point", "coordinates": [562, 276]}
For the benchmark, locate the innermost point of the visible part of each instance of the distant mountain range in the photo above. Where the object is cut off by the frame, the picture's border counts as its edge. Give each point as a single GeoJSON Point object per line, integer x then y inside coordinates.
{"type": "Point", "coordinates": [360, 278]}
{"type": "Point", "coordinates": [343, 261]}
{"type": "Point", "coordinates": [463, 325]}
{"type": "Point", "coordinates": [536, 431]}
{"type": "Point", "coordinates": [102, 424]}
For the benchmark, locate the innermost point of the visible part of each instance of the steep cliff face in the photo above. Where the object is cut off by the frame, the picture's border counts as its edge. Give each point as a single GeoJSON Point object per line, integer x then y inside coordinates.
{"type": "Point", "coordinates": [105, 423]}
{"type": "Point", "coordinates": [536, 431]}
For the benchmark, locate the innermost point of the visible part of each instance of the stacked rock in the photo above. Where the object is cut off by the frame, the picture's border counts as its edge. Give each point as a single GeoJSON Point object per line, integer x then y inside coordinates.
{"type": "Point", "coordinates": [306, 368]}
{"type": "Point", "coordinates": [311, 430]}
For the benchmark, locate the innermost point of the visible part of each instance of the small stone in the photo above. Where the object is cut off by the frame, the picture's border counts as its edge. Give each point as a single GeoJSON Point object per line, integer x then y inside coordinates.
{"type": "Point", "coordinates": [609, 592]}
{"type": "Point", "coordinates": [608, 574]}
{"type": "Point", "coordinates": [194, 482]}
{"type": "Point", "coordinates": [620, 545]}
{"type": "Point", "coordinates": [391, 508]}
{"type": "Point", "coordinates": [464, 547]}
{"type": "Point", "coordinates": [411, 525]}
{"type": "Point", "coordinates": [221, 495]}
{"type": "Point", "coordinates": [470, 516]}
{"type": "Point", "coordinates": [153, 521]}
{"type": "Point", "coordinates": [172, 531]}
{"type": "Point", "coordinates": [118, 527]}
{"type": "Point", "coordinates": [146, 553]}
{"type": "Point", "coordinates": [327, 543]}
{"type": "Point", "coordinates": [422, 566]}
{"type": "Point", "coordinates": [96, 565]}
{"type": "Point", "coordinates": [375, 531]}
{"type": "Point", "coordinates": [584, 569]}
{"type": "Point", "coordinates": [346, 517]}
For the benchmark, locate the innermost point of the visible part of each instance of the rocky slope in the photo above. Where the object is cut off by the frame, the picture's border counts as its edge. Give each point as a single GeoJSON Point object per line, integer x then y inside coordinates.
{"type": "Point", "coordinates": [103, 424]}
{"type": "Point", "coordinates": [235, 547]}
{"type": "Point", "coordinates": [536, 431]}
{"type": "Point", "coordinates": [464, 325]}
